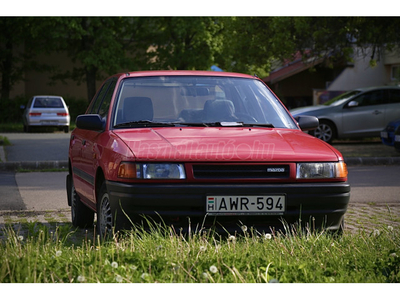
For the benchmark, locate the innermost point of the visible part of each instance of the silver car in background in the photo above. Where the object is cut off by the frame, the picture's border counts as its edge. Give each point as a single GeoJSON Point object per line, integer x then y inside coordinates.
{"type": "Point", "coordinates": [49, 111]}
{"type": "Point", "coordinates": [358, 113]}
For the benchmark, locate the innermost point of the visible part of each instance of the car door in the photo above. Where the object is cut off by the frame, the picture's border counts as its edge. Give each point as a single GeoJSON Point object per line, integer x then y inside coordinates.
{"type": "Point", "coordinates": [393, 108]}
{"type": "Point", "coordinates": [364, 115]}
{"type": "Point", "coordinates": [84, 142]}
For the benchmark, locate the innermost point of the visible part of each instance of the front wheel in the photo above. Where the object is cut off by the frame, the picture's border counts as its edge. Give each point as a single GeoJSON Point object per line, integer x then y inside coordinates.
{"type": "Point", "coordinates": [105, 219]}
{"type": "Point", "coordinates": [81, 215]}
{"type": "Point", "coordinates": [325, 131]}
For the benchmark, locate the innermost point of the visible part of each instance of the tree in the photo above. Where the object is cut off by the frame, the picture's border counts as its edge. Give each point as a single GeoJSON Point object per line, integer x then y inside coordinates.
{"type": "Point", "coordinates": [184, 43]}
{"type": "Point", "coordinates": [98, 46]}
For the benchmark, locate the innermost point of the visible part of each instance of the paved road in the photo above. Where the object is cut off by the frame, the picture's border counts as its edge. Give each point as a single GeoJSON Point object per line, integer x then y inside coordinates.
{"type": "Point", "coordinates": [42, 191]}
{"type": "Point", "coordinates": [46, 191]}
{"type": "Point", "coordinates": [37, 146]}
{"type": "Point", "coordinates": [375, 184]}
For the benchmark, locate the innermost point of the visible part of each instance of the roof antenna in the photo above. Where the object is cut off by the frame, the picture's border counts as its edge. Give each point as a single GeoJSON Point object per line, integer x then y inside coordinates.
{"type": "Point", "coordinates": [255, 75]}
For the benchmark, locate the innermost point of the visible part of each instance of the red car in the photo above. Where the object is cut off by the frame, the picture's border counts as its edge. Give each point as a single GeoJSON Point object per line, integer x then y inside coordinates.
{"type": "Point", "coordinates": [198, 150]}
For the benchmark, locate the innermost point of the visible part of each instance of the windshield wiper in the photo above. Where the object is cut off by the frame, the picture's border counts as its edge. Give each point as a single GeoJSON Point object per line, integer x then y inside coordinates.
{"type": "Point", "coordinates": [268, 125]}
{"type": "Point", "coordinates": [224, 124]}
{"type": "Point", "coordinates": [144, 123]}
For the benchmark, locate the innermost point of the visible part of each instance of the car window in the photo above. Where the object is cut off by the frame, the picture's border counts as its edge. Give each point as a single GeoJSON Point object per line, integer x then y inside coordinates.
{"type": "Point", "coordinates": [199, 99]}
{"type": "Point", "coordinates": [394, 96]}
{"type": "Point", "coordinates": [94, 106]}
{"type": "Point", "coordinates": [46, 102]}
{"type": "Point", "coordinates": [107, 99]}
{"type": "Point", "coordinates": [341, 98]}
{"type": "Point", "coordinates": [372, 98]}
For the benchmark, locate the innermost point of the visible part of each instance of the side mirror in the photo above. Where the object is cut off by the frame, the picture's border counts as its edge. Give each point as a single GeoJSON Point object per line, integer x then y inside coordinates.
{"type": "Point", "coordinates": [90, 122]}
{"type": "Point", "coordinates": [307, 122]}
{"type": "Point", "coordinates": [352, 103]}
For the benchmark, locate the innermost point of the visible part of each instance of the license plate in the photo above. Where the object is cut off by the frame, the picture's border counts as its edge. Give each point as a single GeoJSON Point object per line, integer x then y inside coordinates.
{"type": "Point", "coordinates": [246, 205]}
{"type": "Point", "coordinates": [384, 134]}
{"type": "Point", "coordinates": [397, 138]}
{"type": "Point", "coordinates": [49, 123]}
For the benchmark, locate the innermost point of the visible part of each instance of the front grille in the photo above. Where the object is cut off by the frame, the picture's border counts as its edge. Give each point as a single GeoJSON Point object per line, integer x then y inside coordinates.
{"type": "Point", "coordinates": [229, 171]}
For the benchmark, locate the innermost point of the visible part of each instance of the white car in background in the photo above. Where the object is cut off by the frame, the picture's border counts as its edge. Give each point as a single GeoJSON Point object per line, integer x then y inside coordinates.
{"type": "Point", "coordinates": [49, 111]}
{"type": "Point", "coordinates": [358, 113]}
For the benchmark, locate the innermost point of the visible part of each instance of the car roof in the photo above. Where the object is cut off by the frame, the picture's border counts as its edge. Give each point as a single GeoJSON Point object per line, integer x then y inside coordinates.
{"type": "Point", "coordinates": [182, 73]}
{"type": "Point", "coordinates": [384, 87]}
{"type": "Point", "coordinates": [47, 96]}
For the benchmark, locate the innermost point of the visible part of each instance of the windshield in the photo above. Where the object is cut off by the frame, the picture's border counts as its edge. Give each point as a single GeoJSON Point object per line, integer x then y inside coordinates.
{"type": "Point", "coordinates": [49, 102]}
{"type": "Point", "coordinates": [341, 98]}
{"type": "Point", "coordinates": [198, 101]}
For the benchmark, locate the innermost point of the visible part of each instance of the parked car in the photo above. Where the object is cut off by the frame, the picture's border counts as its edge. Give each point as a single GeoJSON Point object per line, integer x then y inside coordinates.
{"type": "Point", "coordinates": [49, 111]}
{"type": "Point", "coordinates": [198, 150]}
{"type": "Point", "coordinates": [397, 139]}
{"type": "Point", "coordinates": [388, 134]}
{"type": "Point", "coordinates": [359, 113]}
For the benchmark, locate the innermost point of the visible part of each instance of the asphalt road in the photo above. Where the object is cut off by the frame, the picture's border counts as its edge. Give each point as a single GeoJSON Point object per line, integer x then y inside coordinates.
{"type": "Point", "coordinates": [46, 191]}
{"type": "Point", "coordinates": [37, 146]}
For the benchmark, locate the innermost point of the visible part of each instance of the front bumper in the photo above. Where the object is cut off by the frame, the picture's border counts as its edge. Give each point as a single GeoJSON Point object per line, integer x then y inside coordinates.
{"type": "Point", "coordinates": [317, 205]}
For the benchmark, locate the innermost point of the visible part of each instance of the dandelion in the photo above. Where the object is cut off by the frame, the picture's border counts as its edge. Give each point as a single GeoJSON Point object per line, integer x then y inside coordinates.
{"type": "Point", "coordinates": [393, 254]}
{"type": "Point", "coordinates": [205, 275]}
{"type": "Point", "coordinates": [81, 278]}
{"type": "Point", "coordinates": [21, 238]}
{"type": "Point", "coordinates": [267, 236]}
{"type": "Point", "coordinates": [203, 248]}
{"type": "Point", "coordinates": [376, 232]}
{"type": "Point", "coordinates": [118, 278]}
{"type": "Point", "coordinates": [145, 276]}
{"type": "Point", "coordinates": [213, 269]}
{"type": "Point", "coordinates": [133, 267]}
{"type": "Point", "coordinates": [58, 253]}
{"type": "Point", "coordinates": [244, 228]}
{"type": "Point", "coordinates": [114, 264]}
{"type": "Point", "coordinates": [390, 228]}
{"type": "Point", "coordinates": [232, 238]}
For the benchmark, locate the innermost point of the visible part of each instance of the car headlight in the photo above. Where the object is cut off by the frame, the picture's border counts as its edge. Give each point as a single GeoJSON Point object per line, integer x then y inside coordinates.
{"type": "Point", "coordinates": [131, 170]}
{"type": "Point", "coordinates": [321, 170]}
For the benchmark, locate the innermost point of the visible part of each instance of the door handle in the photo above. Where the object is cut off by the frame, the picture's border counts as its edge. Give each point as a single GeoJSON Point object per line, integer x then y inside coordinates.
{"type": "Point", "coordinates": [376, 112]}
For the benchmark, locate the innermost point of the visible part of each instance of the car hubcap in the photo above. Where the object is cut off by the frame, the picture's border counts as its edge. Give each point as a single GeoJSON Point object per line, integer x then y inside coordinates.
{"type": "Point", "coordinates": [323, 132]}
{"type": "Point", "coordinates": [105, 217]}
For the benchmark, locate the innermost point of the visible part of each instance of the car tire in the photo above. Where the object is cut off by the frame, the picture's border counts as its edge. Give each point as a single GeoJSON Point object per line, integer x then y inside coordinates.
{"type": "Point", "coordinates": [325, 131]}
{"type": "Point", "coordinates": [105, 218]}
{"type": "Point", "coordinates": [81, 215]}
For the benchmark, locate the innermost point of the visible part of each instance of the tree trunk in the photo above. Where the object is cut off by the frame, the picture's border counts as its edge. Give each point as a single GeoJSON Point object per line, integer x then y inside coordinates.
{"type": "Point", "coordinates": [6, 71]}
{"type": "Point", "coordinates": [91, 82]}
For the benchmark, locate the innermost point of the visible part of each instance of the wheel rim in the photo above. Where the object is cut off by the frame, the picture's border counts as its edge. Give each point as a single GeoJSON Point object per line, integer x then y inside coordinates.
{"type": "Point", "coordinates": [105, 217]}
{"type": "Point", "coordinates": [324, 132]}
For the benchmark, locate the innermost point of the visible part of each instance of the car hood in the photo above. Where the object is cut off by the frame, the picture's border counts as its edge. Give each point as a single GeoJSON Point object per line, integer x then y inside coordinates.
{"type": "Point", "coordinates": [225, 144]}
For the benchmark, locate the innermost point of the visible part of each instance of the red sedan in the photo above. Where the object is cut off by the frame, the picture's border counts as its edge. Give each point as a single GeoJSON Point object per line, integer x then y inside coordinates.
{"type": "Point", "coordinates": [200, 150]}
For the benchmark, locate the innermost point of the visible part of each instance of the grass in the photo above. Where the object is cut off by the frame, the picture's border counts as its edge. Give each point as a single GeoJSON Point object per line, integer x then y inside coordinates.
{"type": "Point", "coordinates": [165, 256]}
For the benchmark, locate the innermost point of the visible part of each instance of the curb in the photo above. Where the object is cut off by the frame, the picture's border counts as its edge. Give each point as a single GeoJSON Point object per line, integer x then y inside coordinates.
{"type": "Point", "coordinates": [371, 161]}
{"type": "Point", "coordinates": [33, 165]}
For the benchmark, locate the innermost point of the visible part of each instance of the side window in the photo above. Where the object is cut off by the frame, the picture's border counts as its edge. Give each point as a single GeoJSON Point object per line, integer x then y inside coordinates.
{"type": "Point", "coordinates": [394, 96]}
{"type": "Point", "coordinates": [94, 107]}
{"type": "Point", "coordinates": [372, 98]}
{"type": "Point", "coordinates": [107, 99]}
